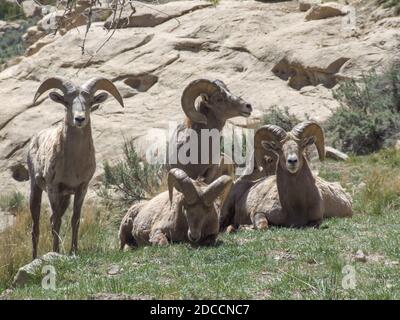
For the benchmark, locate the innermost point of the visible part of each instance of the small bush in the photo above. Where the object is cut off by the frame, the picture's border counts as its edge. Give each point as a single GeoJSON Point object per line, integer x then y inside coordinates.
{"type": "Point", "coordinates": [391, 4]}
{"type": "Point", "coordinates": [281, 117]}
{"type": "Point", "coordinates": [369, 116]}
{"type": "Point", "coordinates": [11, 11]}
{"type": "Point", "coordinates": [131, 179]}
{"type": "Point", "coordinates": [13, 203]}
{"type": "Point", "coordinates": [11, 43]}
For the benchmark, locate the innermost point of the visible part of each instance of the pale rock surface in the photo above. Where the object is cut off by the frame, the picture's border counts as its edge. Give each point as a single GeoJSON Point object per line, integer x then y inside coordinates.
{"type": "Point", "coordinates": [264, 52]}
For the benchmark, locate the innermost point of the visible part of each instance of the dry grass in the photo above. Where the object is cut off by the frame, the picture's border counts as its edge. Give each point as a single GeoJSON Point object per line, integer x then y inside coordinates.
{"type": "Point", "coordinates": [15, 241]}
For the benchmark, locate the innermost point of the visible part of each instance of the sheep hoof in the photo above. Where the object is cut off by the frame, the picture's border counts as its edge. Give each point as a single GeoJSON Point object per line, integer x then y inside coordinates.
{"type": "Point", "coordinates": [262, 225]}
{"type": "Point", "coordinates": [230, 229]}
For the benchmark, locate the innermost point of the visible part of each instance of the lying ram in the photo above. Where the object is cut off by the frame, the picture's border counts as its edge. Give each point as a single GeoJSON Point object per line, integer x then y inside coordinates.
{"type": "Point", "coordinates": [186, 212]}
{"type": "Point", "coordinates": [293, 197]}
{"type": "Point", "coordinates": [61, 160]}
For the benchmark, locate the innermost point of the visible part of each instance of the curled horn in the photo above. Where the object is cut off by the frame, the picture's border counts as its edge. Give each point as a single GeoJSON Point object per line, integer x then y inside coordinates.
{"type": "Point", "coordinates": [311, 128]}
{"type": "Point", "coordinates": [190, 94]}
{"type": "Point", "coordinates": [64, 85]}
{"type": "Point", "coordinates": [270, 133]}
{"type": "Point", "coordinates": [215, 189]}
{"type": "Point", "coordinates": [96, 84]}
{"type": "Point", "coordinates": [181, 181]}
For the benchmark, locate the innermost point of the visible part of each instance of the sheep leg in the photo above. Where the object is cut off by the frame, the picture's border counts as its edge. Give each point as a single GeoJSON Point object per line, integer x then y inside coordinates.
{"type": "Point", "coordinates": [78, 202]}
{"type": "Point", "coordinates": [159, 238]}
{"type": "Point", "coordinates": [59, 204]}
{"type": "Point", "coordinates": [35, 202]}
{"type": "Point", "coordinates": [260, 222]}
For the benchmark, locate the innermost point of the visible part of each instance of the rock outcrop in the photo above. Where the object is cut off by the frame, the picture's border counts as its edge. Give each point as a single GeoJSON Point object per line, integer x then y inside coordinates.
{"type": "Point", "coordinates": [265, 52]}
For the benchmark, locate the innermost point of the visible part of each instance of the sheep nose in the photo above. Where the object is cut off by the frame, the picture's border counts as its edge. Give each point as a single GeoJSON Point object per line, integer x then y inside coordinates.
{"type": "Point", "coordinates": [79, 119]}
{"type": "Point", "coordinates": [292, 161]}
{"type": "Point", "coordinates": [193, 238]}
{"type": "Point", "coordinates": [249, 107]}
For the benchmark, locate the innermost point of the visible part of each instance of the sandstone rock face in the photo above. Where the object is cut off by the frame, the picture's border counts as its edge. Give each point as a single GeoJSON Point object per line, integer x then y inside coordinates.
{"type": "Point", "coordinates": [264, 52]}
{"type": "Point", "coordinates": [324, 11]}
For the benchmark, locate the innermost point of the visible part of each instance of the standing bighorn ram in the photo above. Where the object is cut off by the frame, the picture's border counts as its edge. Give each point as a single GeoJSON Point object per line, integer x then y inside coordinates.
{"type": "Point", "coordinates": [61, 160]}
{"type": "Point", "coordinates": [292, 197]}
{"type": "Point", "coordinates": [188, 213]}
{"type": "Point", "coordinates": [217, 105]}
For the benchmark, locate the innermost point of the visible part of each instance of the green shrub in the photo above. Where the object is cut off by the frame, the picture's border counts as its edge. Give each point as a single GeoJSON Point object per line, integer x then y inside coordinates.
{"type": "Point", "coordinates": [131, 179]}
{"type": "Point", "coordinates": [281, 117]}
{"type": "Point", "coordinates": [11, 43]}
{"type": "Point", "coordinates": [391, 3]}
{"type": "Point", "coordinates": [368, 118]}
{"type": "Point", "coordinates": [13, 203]}
{"type": "Point", "coordinates": [11, 11]}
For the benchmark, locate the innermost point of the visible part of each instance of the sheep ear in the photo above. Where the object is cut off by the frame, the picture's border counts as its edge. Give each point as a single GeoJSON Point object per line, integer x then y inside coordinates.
{"type": "Point", "coordinates": [100, 98]}
{"type": "Point", "coordinates": [56, 97]}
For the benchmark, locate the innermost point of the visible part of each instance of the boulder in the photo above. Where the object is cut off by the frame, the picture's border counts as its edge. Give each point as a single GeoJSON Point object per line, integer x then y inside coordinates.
{"type": "Point", "coordinates": [335, 154]}
{"type": "Point", "coordinates": [28, 272]}
{"type": "Point", "coordinates": [324, 11]}
{"type": "Point", "coordinates": [31, 9]}
{"type": "Point", "coordinates": [305, 5]}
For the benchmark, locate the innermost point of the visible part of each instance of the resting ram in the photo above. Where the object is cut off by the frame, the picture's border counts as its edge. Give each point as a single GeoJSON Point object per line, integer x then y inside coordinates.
{"type": "Point", "coordinates": [293, 197]}
{"type": "Point", "coordinates": [61, 160]}
{"type": "Point", "coordinates": [187, 212]}
{"type": "Point", "coordinates": [216, 106]}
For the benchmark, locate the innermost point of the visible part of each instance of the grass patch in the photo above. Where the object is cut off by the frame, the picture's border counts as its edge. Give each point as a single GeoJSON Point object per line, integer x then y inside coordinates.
{"type": "Point", "coordinates": [280, 263]}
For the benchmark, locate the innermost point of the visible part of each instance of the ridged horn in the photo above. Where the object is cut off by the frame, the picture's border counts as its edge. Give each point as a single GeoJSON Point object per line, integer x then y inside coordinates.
{"type": "Point", "coordinates": [215, 189]}
{"type": "Point", "coordinates": [95, 84]}
{"type": "Point", "coordinates": [190, 94]}
{"type": "Point", "coordinates": [311, 128]}
{"type": "Point", "coordinates": [181, 181]}
{"type": "Point", "coordinates": [64, 85]}
{"type": "Point", "coordinates": [270, 133]}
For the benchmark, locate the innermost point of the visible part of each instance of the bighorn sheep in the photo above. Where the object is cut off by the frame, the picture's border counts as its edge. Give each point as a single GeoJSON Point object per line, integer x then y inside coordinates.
{"type": "Point", "coordinates": [217, 105]}
{"type": "Point", "coordinates": [61, 160]}
{"type": "Point", "coordinates": [292, 197]}
{"type": "Point", "coordinates": [188, 213]}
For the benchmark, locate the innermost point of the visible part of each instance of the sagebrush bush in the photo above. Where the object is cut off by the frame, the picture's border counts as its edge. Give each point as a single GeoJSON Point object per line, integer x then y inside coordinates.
{"type": "Point", "coordinates": [10, 11]}
{"type": "Point", "coordinates": [281, 117]}
{"type": "Point", "coordinates": [11, 43]}
{"type": "Point", "coordinates": [13, 202]}
{"type": "Point", "coordinates": [391, 4]}
{"type": "Point", "coordinates": [369, 116]}
{"type": "Point", "coordinates": [131, 179]}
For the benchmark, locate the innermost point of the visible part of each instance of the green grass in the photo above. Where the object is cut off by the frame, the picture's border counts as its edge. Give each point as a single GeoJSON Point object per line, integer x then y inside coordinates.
{"type": "Point", "coordinates": [275, 264]}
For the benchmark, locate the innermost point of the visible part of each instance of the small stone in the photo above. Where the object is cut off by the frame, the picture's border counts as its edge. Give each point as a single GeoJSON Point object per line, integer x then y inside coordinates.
{"type": "Point", "coordinates": [360, 256]}
{"type": "Point", "coordinates": [114, 270]}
